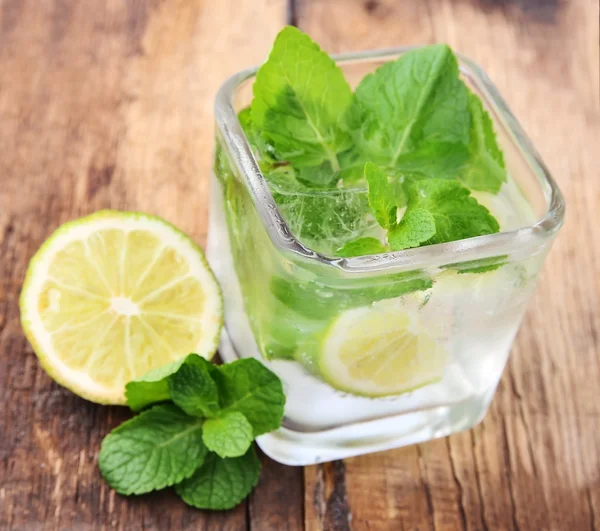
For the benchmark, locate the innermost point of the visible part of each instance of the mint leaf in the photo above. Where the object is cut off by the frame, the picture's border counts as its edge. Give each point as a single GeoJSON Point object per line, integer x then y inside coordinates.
{"type": "Point", "coordinates": [152, 387]}
{"type": "Point", "coordinates": [485, 169]}
{"type": "Point", "coordinates": [316, 301]}
{"type": "Point", "coordinates": [457, 215]}
{"type": "Point", "coordinates": [481, 265]}
{"type": "Point", "coordinates": [283, 330]}
{"type": "Point", "coordinates": [413, 112]}
{"type": "Point", "coordinates": [221, 484]}
{"type": "Point", "coordinates": [351, 169]}
{"type": "Point", "coordinates": [434, 161]}
{"type": "Point", "coordinates": [361, 247]}
{"type": "Point", "coordinates": [229, 435]}
{"type": "Point", "coordinates": [193, 389]}
{"type": "Point", "coordinates": [181, 381]}
{"type": "Point", "coordinates": [381, 195]}
{"type": "Point", "coordinates": [352, 164]}
{"type": "Point", "coordinates": [300, 97]}
{"type": "Point", "coordinates": [248, 387]}
{"type": "Point", "coordinates": [158, 448]}
{"type": "Point", "coordinates": [397, 180]}
{"type": "Point", "coordinates": [263, 150]}
{"type": "Point", "coordinates": [416, 227]}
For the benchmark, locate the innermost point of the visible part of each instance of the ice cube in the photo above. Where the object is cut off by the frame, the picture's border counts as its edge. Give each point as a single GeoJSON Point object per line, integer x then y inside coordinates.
{"type": "Point", "coordinates": [323, 219]}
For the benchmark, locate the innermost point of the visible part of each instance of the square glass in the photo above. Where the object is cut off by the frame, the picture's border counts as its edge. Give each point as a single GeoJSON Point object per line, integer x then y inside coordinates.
{"type": "Point", "coordinates": [285, 301]}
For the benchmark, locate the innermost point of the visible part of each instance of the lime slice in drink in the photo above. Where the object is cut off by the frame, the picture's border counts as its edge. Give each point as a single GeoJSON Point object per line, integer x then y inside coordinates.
{"type": "Point", "coordinates": [382, 349]}
{"type": "Point", "coordinates": [113, 295]}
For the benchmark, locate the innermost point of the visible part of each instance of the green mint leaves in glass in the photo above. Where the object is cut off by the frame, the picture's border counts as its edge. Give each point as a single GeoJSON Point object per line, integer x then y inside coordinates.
{"type": "Point", "coordinates": [412, 119]}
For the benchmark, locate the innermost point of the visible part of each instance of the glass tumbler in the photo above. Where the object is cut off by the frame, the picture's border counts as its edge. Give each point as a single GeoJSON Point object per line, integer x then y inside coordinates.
{"type": "Point", "coordinates": [286, 304]}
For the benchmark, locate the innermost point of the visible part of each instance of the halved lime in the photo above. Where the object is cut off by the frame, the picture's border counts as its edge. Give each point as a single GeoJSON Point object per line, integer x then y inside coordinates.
{"type": "Point", "coordinates": [113, 295]}
{"type": "Point", "coordinates": [382, 349]}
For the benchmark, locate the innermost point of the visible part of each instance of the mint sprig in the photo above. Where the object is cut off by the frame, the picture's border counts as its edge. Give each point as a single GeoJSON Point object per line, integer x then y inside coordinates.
{"type": "Point", "coordinates": [413, 119]}
{"type": "Point", "coordinates": [457, 215]}
{"type": "Point", "coordinates": [199, 437]}
{"type": "Point", "coordinates": [440, 210]}
{"type": "Point", "coordinates": [437, 211]}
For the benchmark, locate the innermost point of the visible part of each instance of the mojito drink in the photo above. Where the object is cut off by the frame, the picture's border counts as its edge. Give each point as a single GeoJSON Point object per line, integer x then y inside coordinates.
{"type": "Point", "coordinates": [365, 261]}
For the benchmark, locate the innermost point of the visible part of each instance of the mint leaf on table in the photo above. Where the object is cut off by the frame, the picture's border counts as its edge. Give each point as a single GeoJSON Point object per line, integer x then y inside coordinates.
{"type": "Point", "coordinates": [158, 448]}
{"type": "Point", "coordinates": [152, 387]}
{"type": "Point", "coordinates": [221, 484]}
{"type": "Point", "coordinates": [485, 169]}
{"type": "Point", "coordinates": [193, 389]}
{"type": "Point", "coordinates": [248, 387]}
{"type": "Point", "coordinates": [300, 98]}
{"type": "Point", "coordinates": [207, 454]}
{"type": "Point", "coordinates": [228, 435]}
{"type": "Point", "coordinates": [457, 215]}
{"type": "Point", "coordinates": [413, 113]}
{"type": "Point", "coordinates": [416, 227]}
{"type": "Point", "coordinates": [381, 195]}
{"type": "Point", "coordinates": [361, 247]}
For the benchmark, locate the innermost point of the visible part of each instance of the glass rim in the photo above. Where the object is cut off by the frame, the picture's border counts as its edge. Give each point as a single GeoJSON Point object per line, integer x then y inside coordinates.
{"type": "Point", "coordinates": [465, 250]}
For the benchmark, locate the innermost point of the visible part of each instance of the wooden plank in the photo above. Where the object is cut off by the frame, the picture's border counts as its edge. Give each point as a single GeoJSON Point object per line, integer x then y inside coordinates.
{"type": "Point", "coordinates": [533, 462]}
{"type": "Point", "coordinates": [277, 502]}
{"type": "Point", "coordinates": [326, 503]}
{"type": "Point", "coordinates": [103, 104]}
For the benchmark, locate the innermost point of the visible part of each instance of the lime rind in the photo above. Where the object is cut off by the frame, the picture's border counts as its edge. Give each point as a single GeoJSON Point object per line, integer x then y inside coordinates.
{"type": "Point", "coordinates": [79, 381]}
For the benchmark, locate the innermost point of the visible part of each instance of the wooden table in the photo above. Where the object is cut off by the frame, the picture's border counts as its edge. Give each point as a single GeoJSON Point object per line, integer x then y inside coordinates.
{"type": "Point", "coordinates": [109, 104]}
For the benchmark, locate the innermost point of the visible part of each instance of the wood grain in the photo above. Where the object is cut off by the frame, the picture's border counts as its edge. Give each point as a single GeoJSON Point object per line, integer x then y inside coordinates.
{"type": "Point", "coordinates": [534, 462]}
{"type": "Point", "coordinates": [109, 104]}
{"type": "Point", "coordinates": [105, 104]}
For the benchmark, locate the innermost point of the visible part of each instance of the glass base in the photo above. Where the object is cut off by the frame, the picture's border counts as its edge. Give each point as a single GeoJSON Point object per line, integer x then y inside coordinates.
{"type": "Point", "coordinates": [296, 447]}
